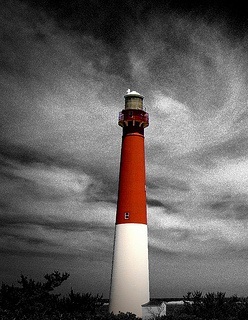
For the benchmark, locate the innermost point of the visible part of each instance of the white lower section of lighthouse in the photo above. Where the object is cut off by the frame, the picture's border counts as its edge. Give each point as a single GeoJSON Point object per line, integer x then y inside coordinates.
{"type": "Point", "coordinates": [130, 272]}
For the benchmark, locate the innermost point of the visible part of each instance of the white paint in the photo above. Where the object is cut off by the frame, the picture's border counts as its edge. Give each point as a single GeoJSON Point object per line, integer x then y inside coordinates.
{"type": "Point", "coordinates": [132, 93]}
{"type": "Point", "coordinates": [176, 302]}
{"type": "Point", "coordinates": [152, 312]}
{"type": "Point", "coordinates": [130, 273]}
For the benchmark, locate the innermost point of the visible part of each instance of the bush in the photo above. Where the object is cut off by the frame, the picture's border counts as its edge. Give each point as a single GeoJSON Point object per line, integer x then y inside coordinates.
{"type": "Point", "coordinates": [33, 300]}
{"type": "Point", "coordinates": [213, 306]}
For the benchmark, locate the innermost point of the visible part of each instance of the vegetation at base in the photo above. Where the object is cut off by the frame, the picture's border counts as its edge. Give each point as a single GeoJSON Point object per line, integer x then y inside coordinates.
{"type": "Point", "coordinates": [211, 306]}
{"type": "Point", "coordinates": [34, 301]}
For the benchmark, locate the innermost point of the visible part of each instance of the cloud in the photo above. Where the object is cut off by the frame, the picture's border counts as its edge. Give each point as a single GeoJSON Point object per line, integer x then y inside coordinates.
{"type": "Point", "coordinates": [197, 234]}
{"type": "Point", "coordinates": [227, 175]}
{"type": "Point", "coordinates": [43, 235]}
{"type": "Point", "coordinates": [50, 207]}
{"type": "Point", "coordinates": [62, 86]}
{"type": "Point", "coordinates": [168, 207]}
{"type": "Point", "coordinates": [232, 206]}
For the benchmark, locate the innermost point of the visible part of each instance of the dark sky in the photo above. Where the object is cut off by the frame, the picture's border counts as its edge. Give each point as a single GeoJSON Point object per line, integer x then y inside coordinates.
{"type": "Point", "coordinates": [65, 67]}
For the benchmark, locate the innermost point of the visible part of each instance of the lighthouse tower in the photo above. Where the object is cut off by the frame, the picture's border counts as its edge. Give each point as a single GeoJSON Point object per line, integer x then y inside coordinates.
{"type": "Point", "coordinates": [130, 272]}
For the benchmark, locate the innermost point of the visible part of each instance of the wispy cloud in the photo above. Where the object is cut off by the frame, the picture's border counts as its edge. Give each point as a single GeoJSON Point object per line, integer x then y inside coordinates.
{"type": "Point", "coordinates": [61, 91]}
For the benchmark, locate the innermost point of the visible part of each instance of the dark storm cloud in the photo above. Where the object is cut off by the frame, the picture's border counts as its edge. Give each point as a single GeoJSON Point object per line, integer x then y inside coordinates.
{"type": "Point", "coordinates": [102, 188]}
{"type": "Point", "coordinates": [24, 155]}
{"type": "Point", "coordinates": [105, 192]}
{"type": "Point", "coordinates": [12, 217]}
{"type": "Point", "coordinates": [15, 59]}
{"type": "Point", "coordinates": [16, 220]}
{"type": "Point", "coordinates": [169, 183]}
{"type": "Point", "coordinates": [241, 211]}
{"type": "Point", "coordinates": [231, 207]}
{"type": "Point", "coordinates": [112, 20]}
{"type": "Point", "coordinates": [154, 202]}
{"type": "Point", "coordinates": [169, 207]}
{"type": "Point", "coordinates": [220, 205]}
{"type": "Point", "coordinates": [18, 237]}
{"type": "Point", "coordinates": [109, 22]}
{"type": "Point", "coordinates": [173, 207]}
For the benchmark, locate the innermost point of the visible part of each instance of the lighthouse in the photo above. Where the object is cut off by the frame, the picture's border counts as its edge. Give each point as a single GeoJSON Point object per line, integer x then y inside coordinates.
{"type": "Point", "coordinates": [130, 270]}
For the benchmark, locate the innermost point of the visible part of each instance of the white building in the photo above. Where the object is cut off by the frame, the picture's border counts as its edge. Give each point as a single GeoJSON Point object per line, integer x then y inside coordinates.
{"type": "Point", "coordinates": [158, 307]}
{"type": "Point", "coordinates": [153, 309]}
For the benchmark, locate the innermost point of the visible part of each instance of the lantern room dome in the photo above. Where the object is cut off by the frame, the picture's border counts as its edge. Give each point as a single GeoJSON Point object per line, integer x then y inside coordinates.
{"type": "Point", "coordinates": [133, 93]}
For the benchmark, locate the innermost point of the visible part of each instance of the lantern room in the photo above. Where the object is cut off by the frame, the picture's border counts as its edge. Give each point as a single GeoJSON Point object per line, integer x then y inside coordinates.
{"type": "Point", "coordinates": [133, 114]}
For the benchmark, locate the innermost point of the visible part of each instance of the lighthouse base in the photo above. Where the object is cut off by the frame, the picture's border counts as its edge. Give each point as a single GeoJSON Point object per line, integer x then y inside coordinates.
{"type": "Point", "coordinates": [130, 272]}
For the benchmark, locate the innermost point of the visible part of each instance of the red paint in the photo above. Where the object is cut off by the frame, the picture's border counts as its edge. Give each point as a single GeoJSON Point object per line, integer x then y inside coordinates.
{"type": "Point", "coordinates": [131, 206]}
{"type": "Point", "coordinates": [139, 116]}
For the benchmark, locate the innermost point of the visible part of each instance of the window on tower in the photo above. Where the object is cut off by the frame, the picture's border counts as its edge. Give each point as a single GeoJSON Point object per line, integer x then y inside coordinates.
{"type": "Point", "coordinates": [126, 215]}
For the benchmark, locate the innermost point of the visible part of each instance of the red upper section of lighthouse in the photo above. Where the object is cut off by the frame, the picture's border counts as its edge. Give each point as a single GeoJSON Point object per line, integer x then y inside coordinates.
{"type": "Point", "coordinates": [131, 206]}
{"type": "Point", "coordinates": [135, 116]}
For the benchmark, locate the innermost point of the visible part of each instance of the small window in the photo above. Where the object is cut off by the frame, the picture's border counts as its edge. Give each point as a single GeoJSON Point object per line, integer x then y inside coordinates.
{"type": "Point", "coordinates": [126, 216]}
